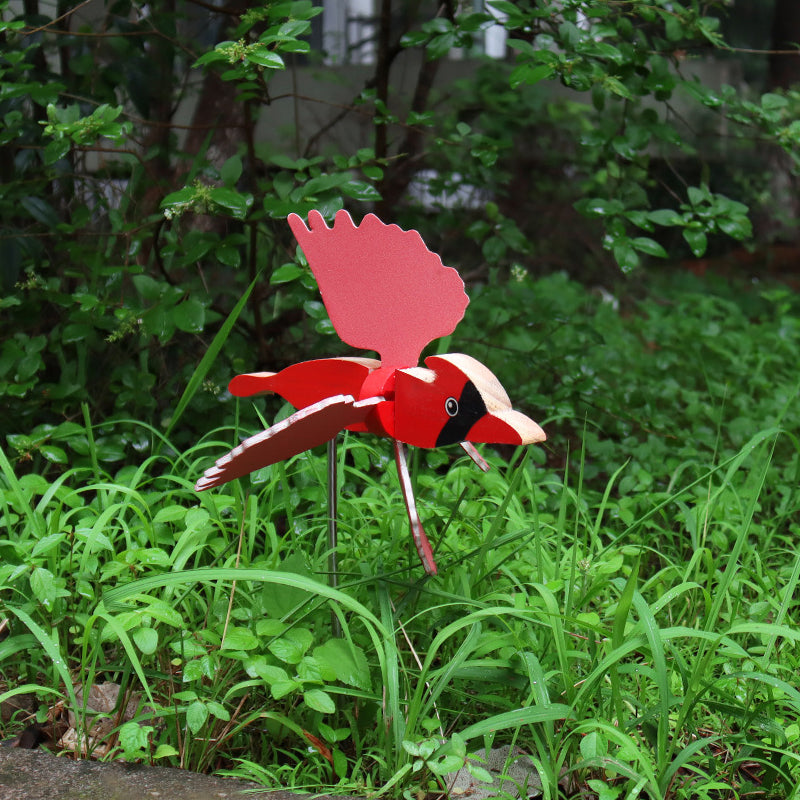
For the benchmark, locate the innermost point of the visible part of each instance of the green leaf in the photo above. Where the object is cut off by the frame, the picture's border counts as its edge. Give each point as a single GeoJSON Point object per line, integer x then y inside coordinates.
{"type": "Point", "coordinates": [606, 51]}
{"type": "Point", "coordinates": [771, 101]}
{"type": "Point", "coordinates": [319, 700]}
{"type": "Point", "coordinates": [604, 791]}
{"type": "Point", "coordinates": [189, 316]}
{"type": "Point", "coordinates": [196, 716]}
{"type": "Point", "coordinates": [292, 645]}
{"type": "Point", "coordinates": [42, 586]}
{"type": "Point", "coordinates": [33, 483]}
{"type": "Point", "coordinates": [649, 246]}
{"type": "Point", "coordinates": [346, 660]}
{"type": "Point", "coordinates": [479, 773]}
{"type": "Point", "coordinates": [146, 639]}
{"type": "Point", "coordinates": [265, 58]}
{"type": "Point", "coordinates": [505, 7]}
{"type": "Point", "coordinates": [280, 600]}
{"type": "Point", "coordinates": [323, 183]}
{"type": "Point", "coordinates": [268, 626]}
{"type": "Point", "coordinates": [149, 288]}
{"type": "Point", "coordinates": [440, 45]}
{"type": "Point", "coordinates": [599, 207]}
{"type": "Point", "coordinates": [229, 255]}
{"type": "Point", "coordinates": [40, 210]}
{"type": "Point", "coordinates": [414, 39]}
{"type": "Point", "coordinates": [280, 689]}
{"type": "Point", "coordinates": [76, 332]}
{"type": "Point", "coordinates": [529, 74]}
{"type": "Point", "coordinates": [665, 216]}
{"type": "Point", "coordinates": [412, 748]}
{"type": "Point", "coordinates": [56, 150]}
{"type": "Point", "coordinates": [53, 453]}
{"type": "Point", "coordinates": [361, 190]}
{"type": "Point", "coordinates": [446, 765]}
{"type": "Point", "coordinates": [697, 241]}
{"type": "Point", "coordinates": [438, 25]}
{"type": "Point", "coordinates": [339, 763]}
{"type": "Point", "coordinates": [617, 87]}
{"type": "Point", "coordinates": [373, 171]}
{"type": "Point", "coordinates": [285, 273]}
{"type": "Point", "coordinates": [165, 751]}
{"type": "Point", "coordinates": [218, 710]}
{"type": "Point", "coordinates": [28, 366]}
{"type": "Point", "coordinates": [673, 27]}
{"type": "Point", "coordinates": [592, 745]}
{"type": "Point", "coordinates": [458, 745]}
{"type": "Point", "coordinates": [231, 170]}
{"type": "Point", "coordinates": [493, 249]}
{"type": "Point", "coordinates": [738, 227]}
{"type": "Point", "coordinates": [626, 256]}
{"type": "Point", "coordinates": [170, 514]}
{"type": "Point", "coordinates": [238, 638]}
{"type": "Point", "coordinates": [293, 28]}
{"type": "Point", "coordinates": [199, 668]}
{"type": "Point", "coordinates": [269, 673]}
{"type": "Point", "coordinates": [287, 162]}
{"type": "Point", "coordinates": [283, 183]}
{"type": "Point", "coordinates": [237, 203]}
{"type": "Point", "coordinates": [180, 198]}
{"type": "Point", "coordinates": [133, 738]}
{"type": "Point", "coordinates": [47, 544]}
{"type": "Point", "coordinates": [697, 195]}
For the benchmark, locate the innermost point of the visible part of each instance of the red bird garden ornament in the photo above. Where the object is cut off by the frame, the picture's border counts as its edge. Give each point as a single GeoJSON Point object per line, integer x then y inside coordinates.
{"type": "Point", "coordinates": [384, 291]}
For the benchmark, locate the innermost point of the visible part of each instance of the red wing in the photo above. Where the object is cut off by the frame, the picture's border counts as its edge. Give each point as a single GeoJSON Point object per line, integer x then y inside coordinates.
{"type": "Point", "coordinates": [384, 290]}
{"type": "Point", "coordinates": [311, 426]}
{"type": "Point", "coordinates": [309, 381]}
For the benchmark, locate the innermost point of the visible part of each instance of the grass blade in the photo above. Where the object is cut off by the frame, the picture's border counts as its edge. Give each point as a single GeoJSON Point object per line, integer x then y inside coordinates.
{"type": "Point", "coordinates": [198, 376]}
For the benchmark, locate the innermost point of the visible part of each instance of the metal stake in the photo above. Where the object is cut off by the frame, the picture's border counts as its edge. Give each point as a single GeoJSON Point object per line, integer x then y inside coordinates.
{"type": "Point", "coordinates": [333, 533]}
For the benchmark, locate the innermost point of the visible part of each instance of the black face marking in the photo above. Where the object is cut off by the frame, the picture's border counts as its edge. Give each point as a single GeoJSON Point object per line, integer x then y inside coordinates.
{"type": "Point", "coordinates": [469, 409]}
{"type": "Point", "coordinates": [451, 406]}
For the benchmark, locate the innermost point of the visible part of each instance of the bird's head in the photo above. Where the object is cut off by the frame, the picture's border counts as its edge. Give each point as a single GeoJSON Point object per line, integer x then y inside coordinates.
{"type": "Point", "coordinates": [457, 399]}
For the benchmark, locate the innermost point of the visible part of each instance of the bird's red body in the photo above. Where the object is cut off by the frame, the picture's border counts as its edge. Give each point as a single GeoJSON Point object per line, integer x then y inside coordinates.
{"type": "Point", "coordinates": [385, 291]}
{"type": "Point", "coordinates": [421, 407]}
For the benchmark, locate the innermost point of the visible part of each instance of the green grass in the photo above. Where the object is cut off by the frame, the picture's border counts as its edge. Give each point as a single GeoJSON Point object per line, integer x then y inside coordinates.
{"type": "Point", "coordinates": [621, 604]}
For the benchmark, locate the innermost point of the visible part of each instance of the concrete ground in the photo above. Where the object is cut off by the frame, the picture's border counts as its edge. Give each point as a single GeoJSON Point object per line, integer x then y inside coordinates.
{"type": "Point", "coordinates": [40, 775]}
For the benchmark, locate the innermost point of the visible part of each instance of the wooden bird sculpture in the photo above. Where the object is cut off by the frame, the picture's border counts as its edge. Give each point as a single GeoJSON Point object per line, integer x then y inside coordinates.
{"type": "Point", "coordinates": [384, 291]}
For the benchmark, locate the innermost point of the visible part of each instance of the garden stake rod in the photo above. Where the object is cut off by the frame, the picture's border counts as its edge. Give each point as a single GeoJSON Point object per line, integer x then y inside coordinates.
{"type": "Point", "coordinates": [384, 291]}
{"type": "Point", "coordinates": [333, 531]}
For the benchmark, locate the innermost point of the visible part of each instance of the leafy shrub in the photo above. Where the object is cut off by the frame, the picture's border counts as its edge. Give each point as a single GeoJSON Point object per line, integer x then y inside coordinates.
{"type": "Point", "coordinates": [122, 254]}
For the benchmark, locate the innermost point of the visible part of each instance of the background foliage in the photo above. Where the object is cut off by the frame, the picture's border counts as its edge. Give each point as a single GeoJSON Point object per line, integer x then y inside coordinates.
{"type": "Point", "coordinates": [149, 157]}
{"type": "Point", "coordinates": [139, 198]}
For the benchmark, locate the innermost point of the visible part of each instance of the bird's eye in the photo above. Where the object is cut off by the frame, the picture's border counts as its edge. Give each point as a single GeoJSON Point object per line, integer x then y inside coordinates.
{"type": "Point", "coordinates": [451, 406]}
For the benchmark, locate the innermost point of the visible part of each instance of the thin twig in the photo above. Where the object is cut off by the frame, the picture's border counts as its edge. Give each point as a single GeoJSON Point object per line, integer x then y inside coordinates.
{"type": "Point", "coordinates": [419, 664]}
{"type": "Point", "coordinates": [57, 19]}
{"type": "Point", "coordinates": [227, 731]}
{"type": "Point", "coordinates": [233, 585]}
